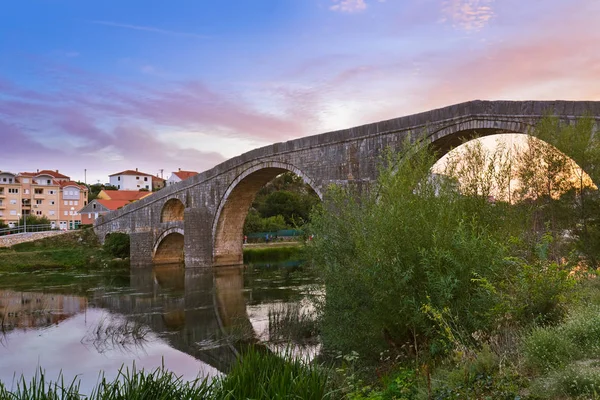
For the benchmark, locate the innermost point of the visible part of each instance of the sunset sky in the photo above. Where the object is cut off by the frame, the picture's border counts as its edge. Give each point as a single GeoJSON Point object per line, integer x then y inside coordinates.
{"type": "Point", "coordinates": [108, 85]}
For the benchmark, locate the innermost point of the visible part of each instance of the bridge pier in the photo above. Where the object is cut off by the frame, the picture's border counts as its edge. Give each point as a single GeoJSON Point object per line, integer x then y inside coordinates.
{"type": "Point", "coordinates": [141, 249]}
{"type": "Point", "coordinates": [198, 237]}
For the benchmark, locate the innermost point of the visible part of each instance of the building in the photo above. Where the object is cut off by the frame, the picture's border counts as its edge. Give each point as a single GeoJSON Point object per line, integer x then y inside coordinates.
{"type": "Point", "coordinates": [109, 200]}
{"type": "Point", "coordinates": [136, 180]}
{"type": "Point", "coordinates": [43, 193]}
{"type": "Point", "coordinates": [179, 176]}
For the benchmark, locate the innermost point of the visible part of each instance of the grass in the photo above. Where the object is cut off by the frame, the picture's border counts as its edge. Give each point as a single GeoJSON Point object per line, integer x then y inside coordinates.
{"type": "Point", "coordinates": [256, 375]}
{"type": "Point", "coordinates": [76, 249]}
{"type": "Point", "coordinates": [276, 253]}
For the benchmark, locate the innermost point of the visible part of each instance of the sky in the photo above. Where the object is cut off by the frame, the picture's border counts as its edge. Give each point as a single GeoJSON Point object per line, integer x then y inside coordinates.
{"type": "Point", "coordinates": [92, 88]}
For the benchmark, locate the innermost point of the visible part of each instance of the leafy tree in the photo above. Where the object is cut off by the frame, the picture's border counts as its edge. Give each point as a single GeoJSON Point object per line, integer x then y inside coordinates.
{"type": "Point", "coordinates": [34, 220]}
{"type": "Point", "coordinates": [117, 245]}
{"type": "Point", "coordinates": [96, 188]}
{"type": "Point", "coordinates": [3, 225]}
{"type": "Point", "coordinates": [285, 202]}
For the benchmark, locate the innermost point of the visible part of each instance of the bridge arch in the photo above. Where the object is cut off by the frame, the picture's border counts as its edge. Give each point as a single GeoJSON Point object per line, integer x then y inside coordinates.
{"type": "Point", "coordinates": [172, 210]}
{"type": "Point", "coordinates": [451, 136]}
{"type": "Point", "coordinates": [168, 248]}
{"type": "Point", "coordinates": [233, 208]}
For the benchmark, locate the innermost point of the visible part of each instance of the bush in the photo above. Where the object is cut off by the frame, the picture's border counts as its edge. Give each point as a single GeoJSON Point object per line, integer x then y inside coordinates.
{"type": "Point", "coordinates": [117, 245]}
{"type": "Point", "coordinates": [409, 242]}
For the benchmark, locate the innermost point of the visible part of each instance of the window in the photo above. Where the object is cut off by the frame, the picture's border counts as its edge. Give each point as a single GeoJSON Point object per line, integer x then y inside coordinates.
{"type": "Point", "coordinates": [90, 215]}
{"type": "Point", "coordinates": [38, 213]}
{"type": "Point", "coordinates": [51, 191]}
{"type": "Point", "coordinates": [13, 190]}
{"type": "Point", "coordinates": [13, 212]}
{"type": "Point", "coordinates": [1, 213]}
{"type": "Point", "coordinates": [118, 186]}
{"type": "Point", "coordinates": [13, 201]}
{"type": "Point", "coordinates": [48, 182]}
{"type": "Point", "coordinates": [75, 203]}
{"type": "Point", "coordinates": [70, 202]}
{"type": "Point", "coordinates": [25, 180]}
{"type": "Point", "coordinates": [145, 179]}
{"type": "Point", "coordinates": [39, 191]}
{"type": "Point", "coordinates": [94, 207]}
{"type": "Point", "coordinates": [51, 212]}
{"type": "Point", "coordinates": [119, 178]}
{"type": "Point", "coordinates": [137, 177]}
{"type": "Point", "coordinates": [66, 213]}
{"type": "Point", "coordinates": [26, 191]}
{"type": "Point", "coordinates": [3, 179]}
{"type": "Point", "coordinates": [147, 187]}
{"type": "Point", "coordinates": [38, 201]}
{"type": "Point", "coordinates": [51, 202]}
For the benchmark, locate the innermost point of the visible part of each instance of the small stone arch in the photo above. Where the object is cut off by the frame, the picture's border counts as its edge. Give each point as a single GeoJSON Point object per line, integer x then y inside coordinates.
{"type": "Point", "coordinates": [169, 247]}
{"type": "Point", "coordinates": [172, 211]}
{"type": "Point", "coordinates": [233, 208]}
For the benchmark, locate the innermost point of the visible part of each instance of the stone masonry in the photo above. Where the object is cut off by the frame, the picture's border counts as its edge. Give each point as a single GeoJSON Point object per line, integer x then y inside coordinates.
{"type": "Point", "coordinates": [216, 202]}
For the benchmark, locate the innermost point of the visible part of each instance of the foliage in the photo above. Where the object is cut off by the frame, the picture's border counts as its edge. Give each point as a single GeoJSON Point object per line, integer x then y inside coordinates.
{"type": "Point", "coordinates": [34, 220]}
{"type": "Point", "coordinates": [3, 225]}
{"type": "Point", "coordinates": [117, 245]}
{"type": "Point", "coordinates": [283, 203]}
{"type": "Point", "coordinates": [407, 243]}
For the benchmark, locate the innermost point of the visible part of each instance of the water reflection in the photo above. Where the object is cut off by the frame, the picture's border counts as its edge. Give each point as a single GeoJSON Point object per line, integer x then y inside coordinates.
{"type": "Point", "coordinates": [196, 321]}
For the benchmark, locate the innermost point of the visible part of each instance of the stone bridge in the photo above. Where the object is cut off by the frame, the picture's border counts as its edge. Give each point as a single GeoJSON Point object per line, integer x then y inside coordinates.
{"type": "Point", "coordinates": [200, 220]}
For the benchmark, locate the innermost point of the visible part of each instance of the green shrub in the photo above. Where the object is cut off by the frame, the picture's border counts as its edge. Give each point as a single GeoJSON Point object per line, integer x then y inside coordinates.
{"type": "Point", "coordinates": [404, 244]}
{"type": "Point", "coordinates": [117, 245]}
{"type": "Point", "coordinates": [547, 348]}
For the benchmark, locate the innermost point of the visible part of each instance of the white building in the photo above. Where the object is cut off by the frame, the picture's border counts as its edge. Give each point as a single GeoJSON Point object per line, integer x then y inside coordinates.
{"type": "Point", "coordinates": [131, 180]}
{"type": "Point", "coordinates": [179, 176]}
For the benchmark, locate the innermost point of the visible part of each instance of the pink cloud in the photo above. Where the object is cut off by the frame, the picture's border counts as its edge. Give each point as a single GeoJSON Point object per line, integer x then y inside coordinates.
{"type": "Point", "coordinates": [349, 6]}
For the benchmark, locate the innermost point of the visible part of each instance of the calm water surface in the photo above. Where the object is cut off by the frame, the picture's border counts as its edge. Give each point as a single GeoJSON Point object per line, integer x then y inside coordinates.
{"type": "Point", "coordinates": [192, 320]}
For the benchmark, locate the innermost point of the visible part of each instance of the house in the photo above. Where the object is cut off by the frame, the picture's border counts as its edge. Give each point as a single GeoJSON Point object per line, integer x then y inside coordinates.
{"type": "Point", "coordinates": [46, 193]}
{"type": "Point", "coordinates": [98, 207]}
{"type": "Point", "coordinates": [109, 200]}
{"type": "Point", "coordinates": [136, 180]}
{"type": "Point", "coordinates": [179, 176]}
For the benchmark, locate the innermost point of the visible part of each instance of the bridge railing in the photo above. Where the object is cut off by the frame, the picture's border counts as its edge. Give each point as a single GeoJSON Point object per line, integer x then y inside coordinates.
{"type": "Point", "coordinates": [29, 228]}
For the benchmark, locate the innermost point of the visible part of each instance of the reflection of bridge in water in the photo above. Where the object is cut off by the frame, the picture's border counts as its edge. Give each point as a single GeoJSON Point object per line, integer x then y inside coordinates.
{"type": "Point", "coordinates": [199, 312]}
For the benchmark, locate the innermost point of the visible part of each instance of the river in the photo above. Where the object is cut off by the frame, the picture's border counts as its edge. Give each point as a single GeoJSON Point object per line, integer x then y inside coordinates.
{"type": "Point", "coordinates": [194, 321]}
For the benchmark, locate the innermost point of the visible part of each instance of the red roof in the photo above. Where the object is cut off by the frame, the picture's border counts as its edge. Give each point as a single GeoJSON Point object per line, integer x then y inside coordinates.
{"type": "Point", "coordinates": [131, 172]}
{"type": "Point", "coordinates": [183, 175]}
{"type": "Point", "coordinates": [126, 195]}
{"type": "Point", "coordinates": [71, 183]}
{"type": "Point", "coordinates": [157, 179]}
{"type": "Point", "coordinates": [113, 204]}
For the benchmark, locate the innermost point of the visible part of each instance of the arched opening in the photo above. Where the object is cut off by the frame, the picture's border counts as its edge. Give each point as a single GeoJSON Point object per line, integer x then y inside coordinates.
{"type": "Point", "coordinates": [172, 211]}
{"type": "Point", "coordinates": [233, 210]}
{"type": "Point", "coordinates": [169, 248]}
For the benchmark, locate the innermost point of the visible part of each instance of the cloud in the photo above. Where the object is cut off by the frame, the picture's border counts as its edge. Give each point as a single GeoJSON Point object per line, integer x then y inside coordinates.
{"type": "Point", "coordinates": [149, 29]}
{"type": "Point", "coordinates": [348, 6]}
{"type": "Point", "coordinates": [467, 15]}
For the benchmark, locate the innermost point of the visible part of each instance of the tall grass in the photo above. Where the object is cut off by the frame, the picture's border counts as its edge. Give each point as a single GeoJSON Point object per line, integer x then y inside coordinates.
{"type": "Point", "coordinates": [256, 375]}
{"type": "Point", "coordinates": [266, 376]}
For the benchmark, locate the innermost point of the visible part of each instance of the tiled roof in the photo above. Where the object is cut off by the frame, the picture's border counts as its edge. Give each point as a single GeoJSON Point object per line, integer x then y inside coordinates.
{"type": "Point", "coordinates": [126, 195]}
{"type": "Point", "coordinates": [54, 174]}
{"type": "Point", "coordinates": [71, 183]}
{"type": "Point", "coordinates": [113, 204]}
{"type": "Point", "coordinates": [157, 179]}
{"type": "Point", "coordinates": [183, 175]}
{"type": "Point", "coordinates": [131, 172]}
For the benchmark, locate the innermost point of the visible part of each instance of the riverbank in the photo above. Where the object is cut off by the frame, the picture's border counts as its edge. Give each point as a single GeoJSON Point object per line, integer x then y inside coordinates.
{"type": "Point", "coordinates": [73, 249]}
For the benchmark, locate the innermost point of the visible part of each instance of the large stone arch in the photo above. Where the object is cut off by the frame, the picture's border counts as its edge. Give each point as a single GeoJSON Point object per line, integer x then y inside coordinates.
{"type": "Point", "coordinates": [168, 248]}
{"type": "Point", "coordinates": [233, 208]}
{"type": "Point", "coordinates": [172, 210]}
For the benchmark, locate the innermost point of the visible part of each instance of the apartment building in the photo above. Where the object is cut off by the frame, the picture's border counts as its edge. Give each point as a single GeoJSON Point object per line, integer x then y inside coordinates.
{"type": "Point", "coordinates": [42, 193]}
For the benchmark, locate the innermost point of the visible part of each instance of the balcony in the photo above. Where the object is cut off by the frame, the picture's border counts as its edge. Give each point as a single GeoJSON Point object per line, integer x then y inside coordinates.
{"type": "Point", "coordinates": [2, 195]}
{"type": "Point", "coordinates": [38, 196]}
